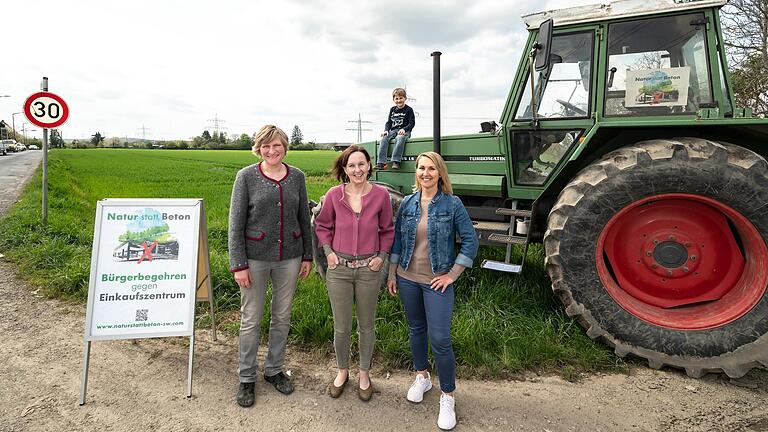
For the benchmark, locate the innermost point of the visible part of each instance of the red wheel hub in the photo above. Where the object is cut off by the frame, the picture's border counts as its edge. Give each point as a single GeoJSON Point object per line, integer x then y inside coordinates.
{"type": "Point", "coordinates": [682, 261]}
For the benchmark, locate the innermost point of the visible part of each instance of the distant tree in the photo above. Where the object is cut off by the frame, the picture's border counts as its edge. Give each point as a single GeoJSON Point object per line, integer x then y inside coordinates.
{"type": "Point", "coordinates": [296, 136]}
{"type": "Point", "coordinates": [245, 141]}
{"type": "Point", "coordinates": [650, 60]}
{"type": "Point", "coordinates": [97, 139]}
{"type": "Point", "coordinates": [749, 85]}
{"type": "Point", "coordinates": [222, 137]}
{"type": "Point", "coordinates": [56, 140]}
{"type": "Point", "coordinates": [745, 30]}
{"type": "Point", "coordinates": [206, 135]}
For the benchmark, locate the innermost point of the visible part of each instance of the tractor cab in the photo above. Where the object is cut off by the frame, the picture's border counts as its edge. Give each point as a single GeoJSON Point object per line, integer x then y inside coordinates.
{"type": "Point", "coordinates": [652, 59]}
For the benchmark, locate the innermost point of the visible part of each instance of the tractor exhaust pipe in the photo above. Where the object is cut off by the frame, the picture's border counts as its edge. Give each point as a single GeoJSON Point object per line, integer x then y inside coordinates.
{"type": "Point", "coordinates": [436, 101]}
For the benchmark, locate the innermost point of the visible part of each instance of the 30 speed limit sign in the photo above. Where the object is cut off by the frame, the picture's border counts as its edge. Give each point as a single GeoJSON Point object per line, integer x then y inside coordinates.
{"type": "Point", "coordinates": [46, 110]}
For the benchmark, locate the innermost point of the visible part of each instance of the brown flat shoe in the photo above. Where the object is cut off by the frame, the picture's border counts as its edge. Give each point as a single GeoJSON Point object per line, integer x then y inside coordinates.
{"type": "Point", "coordinates": [336, 391]}
{"type": "Point", "coordinates": [365, 394]}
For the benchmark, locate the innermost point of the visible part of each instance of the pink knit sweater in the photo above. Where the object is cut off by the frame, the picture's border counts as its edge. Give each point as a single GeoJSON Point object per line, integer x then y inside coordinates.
{"type": "Point", "coordinates": [368, 233]}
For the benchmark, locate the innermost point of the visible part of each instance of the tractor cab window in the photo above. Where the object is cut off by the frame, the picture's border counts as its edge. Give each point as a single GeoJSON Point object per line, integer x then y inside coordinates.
{"type": "Point", "coordinates": [727, 108]}
{"type": "Point", "coordinates": [537, 153]}
{"type": "Point", "coordinates": [562, 90]}
{"type": "Point", "coordinates": [658, 66]}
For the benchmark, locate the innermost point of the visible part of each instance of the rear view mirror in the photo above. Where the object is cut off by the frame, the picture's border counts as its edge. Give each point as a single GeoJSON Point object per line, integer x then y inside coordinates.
{"type": "Point", "coordinates": [543, 45]}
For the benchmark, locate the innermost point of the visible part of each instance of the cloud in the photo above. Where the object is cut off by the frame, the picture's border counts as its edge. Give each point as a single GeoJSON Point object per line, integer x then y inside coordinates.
{"type": "Point", "coordinates": [314, 63]}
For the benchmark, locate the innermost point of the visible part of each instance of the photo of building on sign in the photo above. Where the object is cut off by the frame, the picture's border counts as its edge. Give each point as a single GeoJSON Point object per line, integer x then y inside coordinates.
{"type": "Point", "coordinates": [147, 237]}
{"type": "Point", "coordinates": [657, 87]}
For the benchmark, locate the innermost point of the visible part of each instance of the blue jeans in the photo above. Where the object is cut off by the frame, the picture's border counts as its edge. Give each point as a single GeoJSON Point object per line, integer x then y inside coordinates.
{"type": "Point", "coordinates": [397, 153]}
{"type": "Point", "coordinates": [429, 314]}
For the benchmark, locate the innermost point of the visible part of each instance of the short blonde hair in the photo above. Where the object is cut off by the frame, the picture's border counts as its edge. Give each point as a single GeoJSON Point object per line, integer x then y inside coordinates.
{"type": "Point", "coordinates": [267, 134]}
{"type": "Point", "coordinates": [399, 91]}
{"type": "Point", "coordinates": [442, 171]}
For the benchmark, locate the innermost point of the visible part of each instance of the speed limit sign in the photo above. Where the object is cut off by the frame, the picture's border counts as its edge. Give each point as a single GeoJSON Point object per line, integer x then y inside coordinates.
{"type": "Point", "coordinates": [46, 110]}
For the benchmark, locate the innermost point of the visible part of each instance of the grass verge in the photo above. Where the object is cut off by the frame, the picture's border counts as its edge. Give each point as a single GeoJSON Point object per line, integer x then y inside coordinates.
{"type": "Point", "coordinates": [503, 325]}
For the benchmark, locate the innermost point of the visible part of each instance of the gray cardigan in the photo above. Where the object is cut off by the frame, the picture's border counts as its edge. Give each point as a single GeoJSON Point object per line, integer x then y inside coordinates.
{"type": "Point", "coordinates": [268, 219]}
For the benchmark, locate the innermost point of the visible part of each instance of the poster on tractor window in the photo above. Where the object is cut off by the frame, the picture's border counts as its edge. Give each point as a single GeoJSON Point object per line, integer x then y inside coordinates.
{"type": "Point", "coordinates": [144, 268]}
{"type": "Point", "coordinates": [657, 87]}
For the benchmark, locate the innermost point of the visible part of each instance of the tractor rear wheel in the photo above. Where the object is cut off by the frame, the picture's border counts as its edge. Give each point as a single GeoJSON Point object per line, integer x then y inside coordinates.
{"type": "Point", "coordinates": [659, 249]}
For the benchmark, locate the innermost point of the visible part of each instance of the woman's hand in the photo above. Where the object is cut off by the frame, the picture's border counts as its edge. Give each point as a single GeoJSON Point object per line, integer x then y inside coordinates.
{"type": "Point", "coordinates": [441, 282]}
{"type": "Point", "coordinates": [306, 267]}
{"type": "Point", "coordinates": [333, 260]}
{"type": "Point", "coordinates": [243, 278]}
{"type": "Point", "coordinates": [392, 287]}
{"type": "Point", "coordinates": [401, 132]}
{"type": "Point", "coordinates": [376, 264]}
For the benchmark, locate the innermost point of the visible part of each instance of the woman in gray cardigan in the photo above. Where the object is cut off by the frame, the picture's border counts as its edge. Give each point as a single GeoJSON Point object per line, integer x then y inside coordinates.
{"type": "Point", "coordinates": [269, 238]}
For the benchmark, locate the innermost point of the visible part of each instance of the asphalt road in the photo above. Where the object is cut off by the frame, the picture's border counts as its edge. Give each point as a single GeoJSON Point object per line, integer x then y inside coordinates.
{"type": "Point", "coordinates": [15, 170]}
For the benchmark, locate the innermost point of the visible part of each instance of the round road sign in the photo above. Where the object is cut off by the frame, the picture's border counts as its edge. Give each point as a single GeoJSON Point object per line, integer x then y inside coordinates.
{"type": "Point", "coordinates": [46, 110]}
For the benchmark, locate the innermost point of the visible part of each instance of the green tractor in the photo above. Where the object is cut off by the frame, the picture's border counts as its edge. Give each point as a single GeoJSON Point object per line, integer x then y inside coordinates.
{"type": "Point", "coordinates": [620, 149]}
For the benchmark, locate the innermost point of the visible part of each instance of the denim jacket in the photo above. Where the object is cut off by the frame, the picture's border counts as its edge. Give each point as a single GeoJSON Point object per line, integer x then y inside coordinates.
{"type": "Point", "coordinates": [446, 217]}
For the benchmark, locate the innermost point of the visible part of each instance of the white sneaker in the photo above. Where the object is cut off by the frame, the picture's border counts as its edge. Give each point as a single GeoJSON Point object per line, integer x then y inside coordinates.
{"type": "Point", "coordinates": [420, 386]}
{"type": "Point", "coordinates": [447, 418]}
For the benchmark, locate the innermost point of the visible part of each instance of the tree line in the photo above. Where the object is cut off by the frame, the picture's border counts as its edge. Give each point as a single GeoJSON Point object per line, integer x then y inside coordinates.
{"type": "Point", "coordinates": [218, 140]}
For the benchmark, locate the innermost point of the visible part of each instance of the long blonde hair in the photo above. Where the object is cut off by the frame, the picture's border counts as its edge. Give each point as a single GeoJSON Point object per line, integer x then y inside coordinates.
{"type": "Point", "coordinates": [442, 171]}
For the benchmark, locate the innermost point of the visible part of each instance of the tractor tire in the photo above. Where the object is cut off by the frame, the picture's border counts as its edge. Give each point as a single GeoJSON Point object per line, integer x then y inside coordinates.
{"type": "Point", "coordinates": [318, 255]}
{"type": "Point", "coordinates": [659, 250]}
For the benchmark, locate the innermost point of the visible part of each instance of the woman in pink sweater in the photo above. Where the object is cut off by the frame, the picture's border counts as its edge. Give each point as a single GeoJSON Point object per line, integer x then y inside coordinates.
{"type": "Point", "coordinates": [355, 230]}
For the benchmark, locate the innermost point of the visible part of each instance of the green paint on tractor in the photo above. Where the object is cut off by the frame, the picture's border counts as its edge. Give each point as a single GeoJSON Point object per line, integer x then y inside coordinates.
{"type": "Point", "coordinates": [627, 158]}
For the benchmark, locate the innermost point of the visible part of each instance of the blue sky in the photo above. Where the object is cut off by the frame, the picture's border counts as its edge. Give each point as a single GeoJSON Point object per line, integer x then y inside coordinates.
{"type": "Point", "coordinates": [173, 66]}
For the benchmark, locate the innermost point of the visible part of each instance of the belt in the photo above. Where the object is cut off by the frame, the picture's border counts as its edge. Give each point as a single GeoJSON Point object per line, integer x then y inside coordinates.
{"type": "Point", "coordinates": [353, 264]}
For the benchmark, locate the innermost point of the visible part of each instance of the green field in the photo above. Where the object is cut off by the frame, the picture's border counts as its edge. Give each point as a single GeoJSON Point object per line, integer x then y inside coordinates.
{"type": "Point", "coordinates": [502, 325]}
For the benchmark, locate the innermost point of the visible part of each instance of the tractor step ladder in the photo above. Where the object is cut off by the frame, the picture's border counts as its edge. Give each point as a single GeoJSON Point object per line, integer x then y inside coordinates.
{"type": "Point", "coordinates": [509, 239]}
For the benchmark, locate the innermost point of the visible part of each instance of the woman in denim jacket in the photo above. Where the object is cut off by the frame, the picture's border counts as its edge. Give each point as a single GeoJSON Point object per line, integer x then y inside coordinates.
{"type": "Point", "coordinates": [423, 268]}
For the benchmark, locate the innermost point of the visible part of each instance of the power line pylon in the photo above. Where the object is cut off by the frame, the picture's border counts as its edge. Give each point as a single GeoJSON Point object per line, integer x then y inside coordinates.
{"type": "Point", "coordinates": [359, 127]}
{"type": "Point", "coordinates": [143, 130]}
{"type": "Point", "coordinates": [217, 124]}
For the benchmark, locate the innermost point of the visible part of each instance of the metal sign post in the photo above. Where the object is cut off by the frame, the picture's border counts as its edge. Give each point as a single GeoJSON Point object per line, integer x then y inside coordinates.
{"type": "Point", "coordinates": [46, 110]}
{"type": "Point", "coordinates": [44, 87]}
